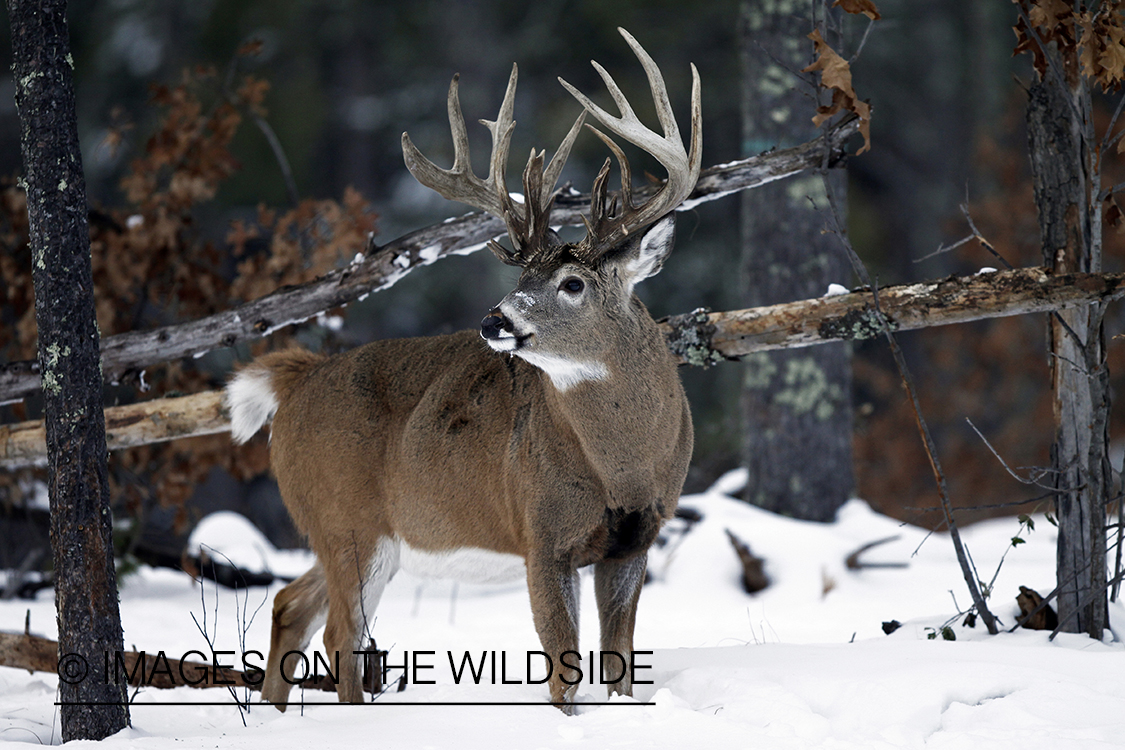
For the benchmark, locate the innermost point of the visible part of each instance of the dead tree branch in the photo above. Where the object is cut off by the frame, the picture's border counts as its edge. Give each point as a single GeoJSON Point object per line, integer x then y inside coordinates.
{"type": "Point", "coordinates": [126, 355]}
{"type": "Point", "coordinates": [883, 324]}
{"type": "Point", "coordinates": [702, 338]}
{"type": "Point", "coordinates": [24, 444]}
{"type": "Point", "coordinates": [853, 561]}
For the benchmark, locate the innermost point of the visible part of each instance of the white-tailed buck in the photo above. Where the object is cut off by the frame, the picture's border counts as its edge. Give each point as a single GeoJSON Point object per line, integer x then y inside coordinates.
{"type": "Point", "coordinates": [559, 440]}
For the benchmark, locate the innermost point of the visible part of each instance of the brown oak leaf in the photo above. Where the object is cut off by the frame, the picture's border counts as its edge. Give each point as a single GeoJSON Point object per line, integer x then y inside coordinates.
{"type": "Point", "coordinates": [866, 7]}
{"type": "Point", "coordinates": [836, 74]}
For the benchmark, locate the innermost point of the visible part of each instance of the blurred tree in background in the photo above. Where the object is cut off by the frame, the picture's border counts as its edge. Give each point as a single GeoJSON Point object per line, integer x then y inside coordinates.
{"type": "Point", "coordinates": [346, 78]}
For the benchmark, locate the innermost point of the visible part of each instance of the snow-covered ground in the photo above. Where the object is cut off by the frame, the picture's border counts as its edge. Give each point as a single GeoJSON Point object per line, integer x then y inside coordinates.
{"type": "Point", "coordinates": [804, 664]}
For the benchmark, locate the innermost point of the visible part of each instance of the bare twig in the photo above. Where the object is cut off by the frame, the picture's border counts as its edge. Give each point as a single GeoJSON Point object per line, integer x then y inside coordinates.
{"type": "Point", "coordinates": [1108, 139]}
{"type": "Point", "coordinates": [1111, 190]}
{"type": "Point", "coordinates": [267, 131]}
{"type": "Point", "coordinates": [980, 237]}
{"type": "Point", "coordinates": [1022, 480]}
{"type": "Point", "coordinates": [862, 42]}
{"type": "Point", "coordinates": [976, 235]}
{"type": "Point", "coordinates": [278, 154]}
{"type": "Point", "coordinates": [971, 578]}
{"type": "Point", "coordinates": [989, 506]}
{"type": "Point", "coordinates": [1083, 603]}
{"type": "Point", "coordinates": [943, 248]}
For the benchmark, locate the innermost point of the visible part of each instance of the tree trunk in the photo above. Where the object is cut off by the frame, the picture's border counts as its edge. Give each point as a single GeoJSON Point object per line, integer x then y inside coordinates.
{"type": "Point", "coordinates": [1065, 178]}
{"type": "Point", "coordinates": [86, 589]}
{"type": "Point", "coordinates": [795, 404]}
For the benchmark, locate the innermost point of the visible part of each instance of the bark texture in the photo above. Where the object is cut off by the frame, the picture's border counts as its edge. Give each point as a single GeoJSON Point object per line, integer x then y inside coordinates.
{"type": "Point", "coordinates": [1065, 176]}
{"type": "Point", "coordinates": [795, 404]}
{"type": "Point", "coordinates": [86, 589]}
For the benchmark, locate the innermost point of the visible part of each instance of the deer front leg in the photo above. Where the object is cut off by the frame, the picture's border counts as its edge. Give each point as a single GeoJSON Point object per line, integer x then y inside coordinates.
{"type": "Point", "coordinates": [553, 585]}
{"type": "Point", "coordinates": [617, 587]}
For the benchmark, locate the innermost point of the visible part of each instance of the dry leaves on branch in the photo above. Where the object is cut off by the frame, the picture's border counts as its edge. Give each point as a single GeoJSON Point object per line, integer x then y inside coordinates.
{"type": "Point", "coordinates": [866, 7]}
{"type": "Point", "coordinates": [836, 75]}
{"type": "Point", "coordinates": [152, 266]}
{"type": "Point", "coordinates": [1090, 42]}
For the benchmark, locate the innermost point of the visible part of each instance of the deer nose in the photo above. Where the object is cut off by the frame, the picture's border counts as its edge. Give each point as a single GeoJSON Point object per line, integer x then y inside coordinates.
{"type": "Point", "coordinates": [495, 324]}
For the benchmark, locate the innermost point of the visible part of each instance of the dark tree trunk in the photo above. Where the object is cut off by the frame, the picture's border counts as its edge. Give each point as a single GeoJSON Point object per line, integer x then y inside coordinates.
{"type": "Point", "coordinates": [86, 589]}
{"type": "Point", "coordinates": [1065, 176]}
{"type": "Point", "coordinates": [797, 404]}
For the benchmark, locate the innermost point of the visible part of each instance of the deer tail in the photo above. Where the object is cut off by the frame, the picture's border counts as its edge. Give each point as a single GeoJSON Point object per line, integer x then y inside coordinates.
{"type": "Point", "coordinates": [253, 394]}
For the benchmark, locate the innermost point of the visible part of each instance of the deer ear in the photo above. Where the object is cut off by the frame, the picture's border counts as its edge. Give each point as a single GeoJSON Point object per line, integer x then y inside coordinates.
{"type": "Point", "coordinates": [644, 256]}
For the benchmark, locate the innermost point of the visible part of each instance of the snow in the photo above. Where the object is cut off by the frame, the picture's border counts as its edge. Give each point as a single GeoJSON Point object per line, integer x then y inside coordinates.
{"type": "Point", "coordinates": [803, 664]}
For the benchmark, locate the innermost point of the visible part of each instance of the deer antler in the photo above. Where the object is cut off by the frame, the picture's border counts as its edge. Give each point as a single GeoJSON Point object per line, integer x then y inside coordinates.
{"type": "Point", "coordinates": [527, 224]}
{"type": "Point", "coordinates": [609, 223]}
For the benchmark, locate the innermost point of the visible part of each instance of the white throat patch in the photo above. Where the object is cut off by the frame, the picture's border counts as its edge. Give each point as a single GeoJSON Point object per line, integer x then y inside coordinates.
{"type": "Point", "coordinates": [566, 373]}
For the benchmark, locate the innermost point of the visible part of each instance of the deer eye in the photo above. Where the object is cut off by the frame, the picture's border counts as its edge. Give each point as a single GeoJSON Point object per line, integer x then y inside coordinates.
{"type": "Point", "coordinates": [573, 285]}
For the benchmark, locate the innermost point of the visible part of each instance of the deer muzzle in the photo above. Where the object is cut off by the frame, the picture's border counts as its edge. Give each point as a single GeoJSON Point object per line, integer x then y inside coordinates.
{"type": "Point", "coordinates": [497, 330]}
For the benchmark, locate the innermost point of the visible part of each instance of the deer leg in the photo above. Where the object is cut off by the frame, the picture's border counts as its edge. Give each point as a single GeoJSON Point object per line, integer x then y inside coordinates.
{"type": "Point", "coordinates": [355, 589]}
{"type": "Point", "coordinates": [298, 611]}
{"type": "Point", "coordinates": [617, 587]}
{"type": "Point", "coordinates": [554, 587]}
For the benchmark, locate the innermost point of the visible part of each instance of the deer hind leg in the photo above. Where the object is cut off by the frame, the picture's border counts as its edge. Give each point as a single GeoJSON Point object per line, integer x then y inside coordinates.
{"type": "Point", "coordinates": [298, 611]}
{"type": "Point", "coordinates": [554, 589]}
{"type": "Point", "coordinates": [355, 586]}
{"type": "Point", "coordinates": [617, 587]}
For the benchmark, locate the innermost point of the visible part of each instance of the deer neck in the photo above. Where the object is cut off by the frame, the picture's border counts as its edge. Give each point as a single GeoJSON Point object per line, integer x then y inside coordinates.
{"type": "Point", "coordinates": [627, 421]}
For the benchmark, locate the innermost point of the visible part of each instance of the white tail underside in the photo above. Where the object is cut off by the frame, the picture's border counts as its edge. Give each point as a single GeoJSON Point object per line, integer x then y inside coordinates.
{"type": "Point", "coordinates": [251, 402]}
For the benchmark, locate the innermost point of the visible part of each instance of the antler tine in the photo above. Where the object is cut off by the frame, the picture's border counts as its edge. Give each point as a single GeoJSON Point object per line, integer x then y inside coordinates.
{"type": "Point", "coordinates": [459, 183]}
{"type": "Point", "coordinates": [683, 167]}
{"type": "Point", "coordinates": [501, 129]}
{"type": "Point", "coordinates": [623, 163]}
{"type": "Point", "coordinates": [554, 169]}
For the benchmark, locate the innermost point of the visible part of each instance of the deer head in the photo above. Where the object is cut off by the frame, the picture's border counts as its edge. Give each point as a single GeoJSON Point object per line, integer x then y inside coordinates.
{"type": "Point", "coordinates": [556, 317]}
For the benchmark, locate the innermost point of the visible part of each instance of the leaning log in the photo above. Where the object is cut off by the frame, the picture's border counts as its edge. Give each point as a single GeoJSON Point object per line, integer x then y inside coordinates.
{"type": "Point", "coordinates": [703, 338]}
{"type": "Point", "coordinates": [700, 338]}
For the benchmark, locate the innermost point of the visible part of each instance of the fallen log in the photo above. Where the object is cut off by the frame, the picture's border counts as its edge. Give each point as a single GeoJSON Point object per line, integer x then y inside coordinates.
{"type": "Point", "coordinates": [125, 356]}
{"type": "Point", "coordinates": [157, 670]}
{"type": "Point", "coordinates": [699, 338]}
{"type": "Point", "coordinates": [156, 421]}
{"type": "Point", "coordinates": [140, 669]}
